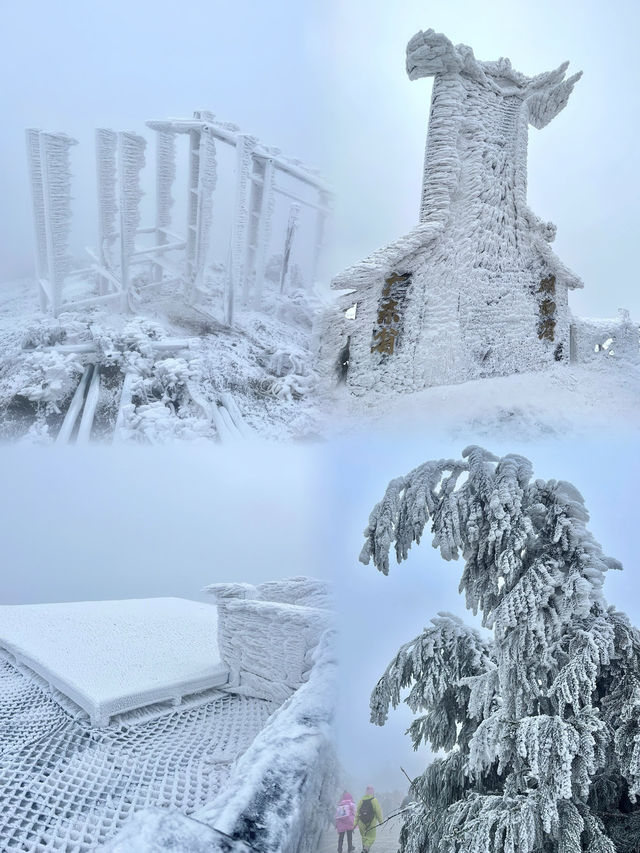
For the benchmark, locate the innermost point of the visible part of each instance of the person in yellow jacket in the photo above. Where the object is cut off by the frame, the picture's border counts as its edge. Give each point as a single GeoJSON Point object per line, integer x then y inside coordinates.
{"type": "Point", "coordinates": [368, 816]}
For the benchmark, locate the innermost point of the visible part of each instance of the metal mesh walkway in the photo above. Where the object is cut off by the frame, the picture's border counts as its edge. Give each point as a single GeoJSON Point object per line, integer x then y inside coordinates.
{"type": "Point", "coordinates": [67, 787]}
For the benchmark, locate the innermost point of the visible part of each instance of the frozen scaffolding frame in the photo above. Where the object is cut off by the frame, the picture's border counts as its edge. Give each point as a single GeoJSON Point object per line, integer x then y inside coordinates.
{"type": "Point", "coordinates": [120, 158]}
{"type": "Point", "coordinates": [257, 167]}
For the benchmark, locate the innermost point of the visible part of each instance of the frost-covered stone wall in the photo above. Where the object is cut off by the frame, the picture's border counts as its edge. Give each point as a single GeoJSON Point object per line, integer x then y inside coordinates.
{"type": "Point", "coordinates": [597, 340]}
{"type": "Point", "coordinates": [474, 290]}
{"type": "Point", "coordinates": [269, 644]}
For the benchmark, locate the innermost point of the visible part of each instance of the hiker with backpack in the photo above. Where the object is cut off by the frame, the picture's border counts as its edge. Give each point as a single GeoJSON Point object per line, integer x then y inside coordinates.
{"type": "Point", "coordinates": [345, 819]}
{"type": "Point", "coordinates": [368, 816]}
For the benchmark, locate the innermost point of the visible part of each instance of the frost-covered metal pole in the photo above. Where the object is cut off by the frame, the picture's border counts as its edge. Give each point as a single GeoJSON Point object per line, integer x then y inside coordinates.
{"type": "Point", "coordinates": [192, 202]}
{"type": "Point", "coordinates": [37, 197]}
{"type": "Point", "coordinates": [263, 199]}
{"type": "Point", "coordinates": [165, 176]}
{"type": "Point", "coordinates": [206, 185]}
{"type": "Point", "coordinates": [238, 249]}
{"type": "Point", "coordinates": [131, 160]}
{"type": "Point", "coordinates": [106, 149]}
{"type": "Point", "coordinates": [294, 213]}
{"type": "Point", "coordinates": [324, 201]}
{"type": "Point", "coordinates": [56, 194]}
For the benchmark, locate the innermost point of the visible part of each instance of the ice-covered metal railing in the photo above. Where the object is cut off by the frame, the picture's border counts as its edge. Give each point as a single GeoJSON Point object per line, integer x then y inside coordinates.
{"type": "Point", "coordinates": [257, 167]}
{"type": "Point", "coordinates": [120, 158]}
{"type": "Point", "coordinates": [595, 339]}
{"type": "Point", "coordinates": [106, 153]}
{"type": "Point", "coordinates": [50, 174]}
{"type": "Point", "coordinates": [130, 162]}
{"type": "Point", "coordinates": [279, 795]}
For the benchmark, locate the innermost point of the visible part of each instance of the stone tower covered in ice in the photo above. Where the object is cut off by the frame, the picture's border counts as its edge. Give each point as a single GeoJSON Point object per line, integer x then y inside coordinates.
{"type": "Point", "coordinates": [474, 290]}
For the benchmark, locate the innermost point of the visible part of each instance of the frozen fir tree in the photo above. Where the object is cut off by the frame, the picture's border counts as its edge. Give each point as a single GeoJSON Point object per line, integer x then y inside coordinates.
{"type": "Point", "coordinates": [539, 720]}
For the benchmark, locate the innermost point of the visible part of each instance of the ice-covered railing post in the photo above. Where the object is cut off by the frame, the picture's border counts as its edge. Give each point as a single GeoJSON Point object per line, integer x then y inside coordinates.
{"type": "Point", "coordinates": [130, 161]}
{"type": "Point", "coordinates": [106, 167]}
{"type": "Point", "coordinates": [165, 176]}
{"type": "Point", "coordinates": [237, 272]}
{"type": "Point", "coordinates": [263, 203]}
{"type": "Point", "coordinates": [474, 290]}
{"type": "Point", "coordinates": [48, 157]}
{"type": "Point", "coordinates": [292, 226]}
{"type": "Point", "coordinates": [119, 161]}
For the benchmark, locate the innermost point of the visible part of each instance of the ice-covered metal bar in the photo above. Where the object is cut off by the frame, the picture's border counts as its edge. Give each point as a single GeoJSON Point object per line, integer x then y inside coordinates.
{"type": "Point", "coordinates": [49, 168]}
{"type": "Point", "coordinates": [292, 226]}
{"type": "Point", "coordinates": [130, 162]}
{"type": "Point", "coordinates": [165, 176]}
{"type": "Point", "coordinates": [263, 230]}
{"type": "Point", "coordinates": [106, 148]}
{"type": "Point", "coordinates": [239, 227]}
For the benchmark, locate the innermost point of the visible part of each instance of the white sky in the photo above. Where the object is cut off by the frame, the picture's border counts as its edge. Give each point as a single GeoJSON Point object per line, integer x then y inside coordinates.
{"type": "Point", "coordinates": [324, 80]}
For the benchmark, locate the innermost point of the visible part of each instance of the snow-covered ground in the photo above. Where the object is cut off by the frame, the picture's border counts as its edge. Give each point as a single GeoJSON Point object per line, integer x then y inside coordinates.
{"type": "Point", "coordinates": [266, 367]}
{"type": "Point", "coordinates": [260, 370]}
{"type": "Point", "coordinates": [387, 839]}
{"type": "Point", "coordinates": [564, 400]}
{"type": "Point", "coordinates": [110, 657]}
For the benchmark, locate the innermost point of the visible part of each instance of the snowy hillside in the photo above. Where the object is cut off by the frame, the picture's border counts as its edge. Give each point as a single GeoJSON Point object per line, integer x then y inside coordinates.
{"type": "Point", "coordinates": [564, 400]}
{"type": "Point", "coordinates": [188, 376]}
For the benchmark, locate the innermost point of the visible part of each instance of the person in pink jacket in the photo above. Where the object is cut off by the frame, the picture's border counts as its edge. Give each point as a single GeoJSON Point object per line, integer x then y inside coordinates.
{"type": "Point", "coordinates": [345, 820]}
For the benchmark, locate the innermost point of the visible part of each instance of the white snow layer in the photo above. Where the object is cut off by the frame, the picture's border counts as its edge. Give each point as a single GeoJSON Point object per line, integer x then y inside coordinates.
{"type": "Point", "coordinates": [114, 656]}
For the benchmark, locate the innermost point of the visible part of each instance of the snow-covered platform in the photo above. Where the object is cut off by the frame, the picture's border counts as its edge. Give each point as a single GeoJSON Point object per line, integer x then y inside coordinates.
{"type": "Point", "coordinates": [111, 657]}
{"type": "Point", "coordinates": [118, 716]}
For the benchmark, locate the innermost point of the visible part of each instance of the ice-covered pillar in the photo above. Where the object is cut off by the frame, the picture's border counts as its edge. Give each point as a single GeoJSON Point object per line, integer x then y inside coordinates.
{"type": "Point", "coordinates": [263, 229]}
{"type": "Point", "coordinates": [485, 105]}
{"type": "Point", "coordinates": [106, 151]}
{"type": "Point", "coordinates": [37, 197]}
{"type": "Point", "coordinates": [324, 201]}
{"type": "Point", "coordinates": [245, 146]}
{"type": "Point", "coordinates": [130, 163]}
{"type": "Point", "coordinates": [207, 176]}
{"type": "Point", "coordinates": [259, 229]}
{"type": "Point", "coordinates": [165, 176]}
{"type": "Point", "coordinates": [292, 226]}
{"type": "Point", "coordinates": [192, 202]}
{"type": "Point", "coordinates": [51, 192]}
{"type": "Point", "coordinates": [202, 182]}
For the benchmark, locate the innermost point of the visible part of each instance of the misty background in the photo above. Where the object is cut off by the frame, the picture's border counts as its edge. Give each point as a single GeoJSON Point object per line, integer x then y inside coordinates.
{"type": "Point", "coordinates": [325, 82]}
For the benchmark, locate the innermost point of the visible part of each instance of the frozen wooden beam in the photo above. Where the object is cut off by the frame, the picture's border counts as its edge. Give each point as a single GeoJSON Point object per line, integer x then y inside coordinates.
{"type": "Point", "coordinates": [75, 407]}
{"type": "Point", "coordinates": [89, 410]}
